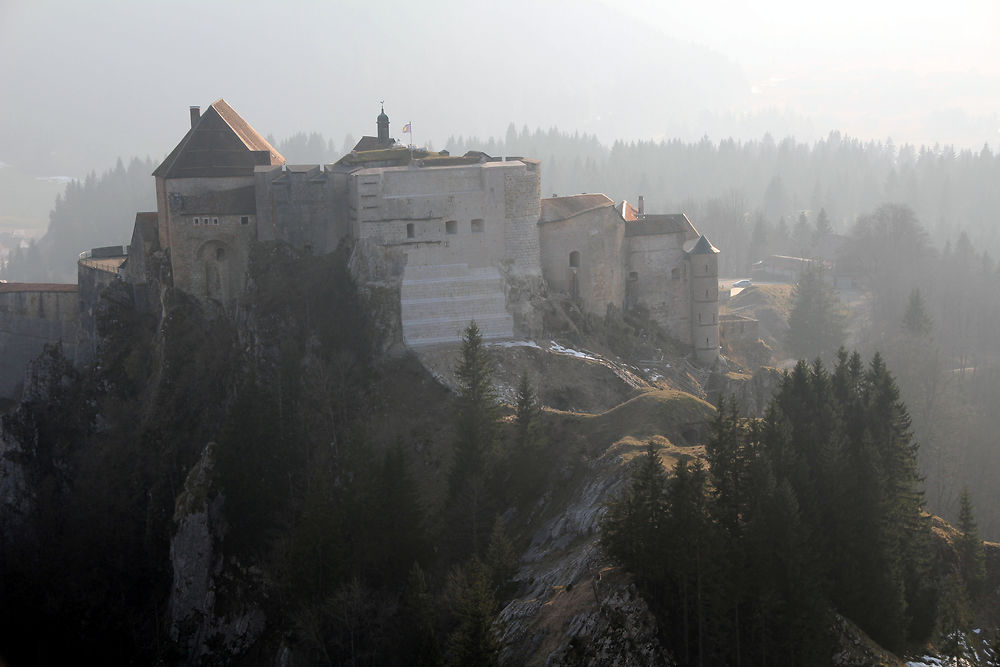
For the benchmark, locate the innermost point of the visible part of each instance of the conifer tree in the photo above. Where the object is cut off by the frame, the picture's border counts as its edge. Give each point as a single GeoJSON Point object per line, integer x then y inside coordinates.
{"type": "Point", "coordinates": [916, 321]}
{"type": "Point", "coordinates": [417, 619]}
{"type": "Point", "coordinates": [971, 555]}
{"type": "Point", "coordinates": [470, 597]}
{"type": "Point", "coordinates": [526, 472]}
{"type": "Point", "coordinates": [632, 529]}
{"type": "Point", "coordinates": [816, 323]}
{"type": "Point", "coordinates": [501, 558]}
{"type": "Point", "coordinates": [477, 431]}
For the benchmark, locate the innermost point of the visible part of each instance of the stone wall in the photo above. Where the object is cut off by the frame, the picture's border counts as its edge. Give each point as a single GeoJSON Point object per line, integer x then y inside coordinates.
{"type": "Point", "coordinates": [32, 316]}
{"type": "Point", "coordinates": [450, 214]}
{"type": "Point", "coordinates": [593, 241]}
{"type": "Point", "coordinates": [658, 279]}
{"type": "Point", "coordinates": [303, 205]}
{"type": "Point", "coordinates": [212, 222]}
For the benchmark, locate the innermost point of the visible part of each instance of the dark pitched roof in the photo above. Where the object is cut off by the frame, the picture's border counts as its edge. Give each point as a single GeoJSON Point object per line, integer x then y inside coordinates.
{"type": "Point", "coordinates": [670, 223]}
{"type": "Point", "coordinates": [702, 247]}
{"type": "Point", "coordinates": [563, 208]}
{"type": "Point", "coordinates": [221, 143]}
{"type": "Point", "coordinates": [369, 143]}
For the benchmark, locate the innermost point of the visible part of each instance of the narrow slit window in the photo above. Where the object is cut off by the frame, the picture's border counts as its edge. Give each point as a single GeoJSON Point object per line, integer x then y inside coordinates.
{"type": "Point", "coordinates": [410, 232]}
{"type": "Point", "coordinates": [574, 259]}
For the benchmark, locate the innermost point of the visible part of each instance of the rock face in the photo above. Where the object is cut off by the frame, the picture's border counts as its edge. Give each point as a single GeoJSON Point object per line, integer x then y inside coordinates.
{"type": "Point", "coordinates": [574, 608]}
{"type": "Point", "coordinates": [201, 624]}
{"type": "Point", "coordinates": [15, 497]}
{"type": "Point", "coordinates": [752, 393]}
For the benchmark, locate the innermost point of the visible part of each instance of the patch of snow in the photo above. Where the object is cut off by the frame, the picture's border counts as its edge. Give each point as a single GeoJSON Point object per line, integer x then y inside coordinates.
{"type": "Point", "coordinates": [556, 347]}
{"type": "Point", "coordinates": [925, 661]}
{"type": "Point", "coordinates": [515, 343]}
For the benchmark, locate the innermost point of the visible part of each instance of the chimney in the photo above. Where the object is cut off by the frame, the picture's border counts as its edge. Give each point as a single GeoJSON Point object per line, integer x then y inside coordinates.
{"type": "Point", "coordinates": [642, 206]}
{"type": "Point", "coordinates": [195, 115]}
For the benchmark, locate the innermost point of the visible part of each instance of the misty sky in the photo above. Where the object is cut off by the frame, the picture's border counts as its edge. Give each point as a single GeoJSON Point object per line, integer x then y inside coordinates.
{"type": "Point", "coordinates": [85, 83]}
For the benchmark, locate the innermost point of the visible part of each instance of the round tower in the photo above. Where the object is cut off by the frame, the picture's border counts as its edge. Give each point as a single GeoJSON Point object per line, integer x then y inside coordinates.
{"type": "Point", "coordinates": [704, 261]}
{"type": "Point", "coordinates": [383, 127]}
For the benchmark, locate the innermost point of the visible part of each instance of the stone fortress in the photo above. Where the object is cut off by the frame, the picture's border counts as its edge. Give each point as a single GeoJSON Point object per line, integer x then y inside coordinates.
{"type": "Point", "coordinates": [472, 233]}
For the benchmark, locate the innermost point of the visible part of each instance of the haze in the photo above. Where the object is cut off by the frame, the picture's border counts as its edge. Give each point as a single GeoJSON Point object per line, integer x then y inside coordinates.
{"type": "Point", "coordinates": [86, 83]}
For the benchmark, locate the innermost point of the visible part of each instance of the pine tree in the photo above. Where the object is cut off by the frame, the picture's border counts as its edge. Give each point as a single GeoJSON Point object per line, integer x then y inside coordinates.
{"type": "Point", "coordinates": [477, 431]}
{"type": "Point", "coordinates": [418, 644]}
{"type": "Point", "coordinates": [470, 596]}
{"type": "Point", "coordinates": [816, 323]}
{"type": "Point", "coordinates": [916, 321]}
{"type": "Point", "coordinates": [527, 469]}
{"type": "Point", "coordinates": [501, 558]}
{"type": "Point", "coordinates": [971, 554]}
{"type": "Point", "coordinates": [632, 529]}
{"type": "Point", "coordinates": [823, 224]}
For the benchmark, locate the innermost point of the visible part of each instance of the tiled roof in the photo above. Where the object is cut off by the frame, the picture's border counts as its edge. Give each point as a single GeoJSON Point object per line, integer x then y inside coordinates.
{"type": "Point", "coordinates": [671, 223]}
{"type": "Point", "coordinates": [221, 143]}
{"type": "Point", "coordinates": [627, 211]}
{"type": "Point", "coordinates": [563, 208]}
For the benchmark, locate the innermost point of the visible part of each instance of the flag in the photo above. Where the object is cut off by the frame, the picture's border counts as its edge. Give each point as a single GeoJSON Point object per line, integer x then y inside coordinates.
{"type": "Point", "coordinates": [407, 128]}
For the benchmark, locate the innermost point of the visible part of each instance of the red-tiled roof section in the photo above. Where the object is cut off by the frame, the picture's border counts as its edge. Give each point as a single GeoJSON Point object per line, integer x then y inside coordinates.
{"type": "Point", "coordinates": [221, 143]}
{"type": "Point", "coordinates": [562, 208]}
{"type": "Point", "coordinates": [627, 211]}
{"type": "Point", "coordinates": [36, 287]}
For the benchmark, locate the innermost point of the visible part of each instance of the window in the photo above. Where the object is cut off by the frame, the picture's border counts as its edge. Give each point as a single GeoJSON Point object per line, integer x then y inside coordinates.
{"type": "Point", "coordinates": [706, 294]}
{"type": "Point", "coordinates": [245, 220]}
{"type": "Point", "coordinates": [409, 230]}
{"type": "Point", "coordinates": [451, 227]}
{"type": "Point", "coordinates": [477, 226]}
{"type": "Point", "coordinates": [699, 318]}
{"type": "Point", "coordinates": [197, 221]}
{"type": "Point", "coordinates": [574, 259]}
{"type": "Point", "coordinates": [220, 253]}
{"type": "Point", "coordinates": [633, 276]}
{"type": "Point", "coordinates": [215, 221]}
{"type": "Point", "coordinates": [675, 273]}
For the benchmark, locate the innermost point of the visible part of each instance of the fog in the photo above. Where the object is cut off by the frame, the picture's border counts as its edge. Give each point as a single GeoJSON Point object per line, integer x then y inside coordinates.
{"type": "Point", "coordinates": [86, 83]}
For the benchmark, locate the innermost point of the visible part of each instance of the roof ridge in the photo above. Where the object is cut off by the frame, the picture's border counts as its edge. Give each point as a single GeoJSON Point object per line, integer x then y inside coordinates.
{"type": "Point", "coordinates": [223, 109]}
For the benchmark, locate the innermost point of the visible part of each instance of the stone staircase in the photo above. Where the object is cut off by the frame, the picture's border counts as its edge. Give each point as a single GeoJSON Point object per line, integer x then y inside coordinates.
{"type": "Point", "coordinates": [439, 301]}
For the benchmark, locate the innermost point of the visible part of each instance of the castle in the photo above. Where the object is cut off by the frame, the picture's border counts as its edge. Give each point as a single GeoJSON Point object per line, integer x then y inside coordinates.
{"type": "Point", "coordinates": [472, 233]}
